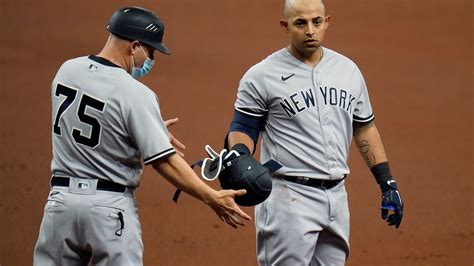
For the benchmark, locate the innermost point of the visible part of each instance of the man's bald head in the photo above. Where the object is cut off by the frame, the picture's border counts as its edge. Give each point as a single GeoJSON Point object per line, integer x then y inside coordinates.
{"type": "Point", "coordinates": [292, 5]}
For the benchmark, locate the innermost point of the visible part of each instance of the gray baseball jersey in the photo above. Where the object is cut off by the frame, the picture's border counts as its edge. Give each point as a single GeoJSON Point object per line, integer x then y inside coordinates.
{"type": "Point", "coordinates": [309, 114]}
{"type": "Point", "coordinates": [104, 122]}
{"type": "Point", "coordinates": [309, 111]}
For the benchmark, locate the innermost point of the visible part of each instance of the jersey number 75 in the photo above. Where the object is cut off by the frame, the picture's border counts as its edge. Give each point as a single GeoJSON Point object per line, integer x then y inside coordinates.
{"type": "Point", "coordinates": [85, 101]}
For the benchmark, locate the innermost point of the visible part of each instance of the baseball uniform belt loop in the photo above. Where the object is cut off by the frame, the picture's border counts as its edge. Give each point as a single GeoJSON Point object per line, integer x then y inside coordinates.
{"type": "Point", "coordinates": [101, 184]}
{"type": "Point", "coordinates": [312, 182]}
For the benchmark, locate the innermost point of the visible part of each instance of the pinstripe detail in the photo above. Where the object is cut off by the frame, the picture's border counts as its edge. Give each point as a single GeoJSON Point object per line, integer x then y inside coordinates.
{"type": "Point", "coordinates": [162, 154]}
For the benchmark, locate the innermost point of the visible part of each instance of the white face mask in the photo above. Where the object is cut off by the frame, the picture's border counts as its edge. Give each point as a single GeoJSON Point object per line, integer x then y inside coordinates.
{"type": "Point", "coordinates": [138, 72]}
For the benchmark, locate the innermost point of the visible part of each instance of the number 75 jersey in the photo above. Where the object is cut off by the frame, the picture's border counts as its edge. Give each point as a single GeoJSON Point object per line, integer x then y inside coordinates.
{"type": "Point", "coordinates": [104, 122]}
{"type": "Point", "coordinates": [309, 111]}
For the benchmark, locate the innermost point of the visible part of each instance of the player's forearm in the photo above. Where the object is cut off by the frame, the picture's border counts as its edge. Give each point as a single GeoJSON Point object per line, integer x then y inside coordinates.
{"type": "Point", "coordinates": [177, 171]}
{"type": "Point", "coordinates": [236, 137]}
{"type": "Point", "coordinates": [369, 144]}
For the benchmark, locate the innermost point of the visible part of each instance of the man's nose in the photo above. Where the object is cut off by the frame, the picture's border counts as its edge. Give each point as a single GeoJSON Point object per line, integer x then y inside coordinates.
{"type": "Point", "coordinates": [311, 30]}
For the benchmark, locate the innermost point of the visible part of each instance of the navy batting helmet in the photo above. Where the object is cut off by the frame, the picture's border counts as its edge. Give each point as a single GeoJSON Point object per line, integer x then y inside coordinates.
{"type": "Point", "coordinates": [245, 172]}
{"type": "Point", "coordinates": [136, 23]}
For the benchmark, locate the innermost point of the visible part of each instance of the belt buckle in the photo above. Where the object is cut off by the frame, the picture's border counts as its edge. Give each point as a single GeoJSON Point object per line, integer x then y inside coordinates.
{"type": "Point", "coordinates": [302, 180]}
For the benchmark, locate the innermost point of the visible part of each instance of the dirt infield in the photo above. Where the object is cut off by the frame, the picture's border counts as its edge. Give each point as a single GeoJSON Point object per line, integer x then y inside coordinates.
{"type": "Point", "coordinates": [417, 60]}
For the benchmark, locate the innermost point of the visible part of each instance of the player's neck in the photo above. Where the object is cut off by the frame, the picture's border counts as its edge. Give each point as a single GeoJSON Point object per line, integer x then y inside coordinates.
{"type": "Point", "coordinates": [115, 50]}
{"type": "Point", "coordinates": [310, 59]}
{"type": "Point", "coordinates": [114, 58]}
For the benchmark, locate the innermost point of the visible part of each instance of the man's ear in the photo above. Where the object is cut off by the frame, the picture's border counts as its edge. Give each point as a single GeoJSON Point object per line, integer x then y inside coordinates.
{"type": "Point", "coordinates": [134, 46]}
{"type": "Point", "coordinates": [284, 24]}
{"type": "Point", "coordinates": [326, 20]}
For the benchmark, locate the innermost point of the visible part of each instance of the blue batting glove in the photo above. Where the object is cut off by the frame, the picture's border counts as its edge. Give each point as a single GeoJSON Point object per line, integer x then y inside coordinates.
{"type": "Point", "coordinates": [391, 203]}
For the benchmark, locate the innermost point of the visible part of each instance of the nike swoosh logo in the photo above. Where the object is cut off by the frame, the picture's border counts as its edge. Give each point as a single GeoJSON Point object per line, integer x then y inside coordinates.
{"type": "Point", "coordinates": [285, 78]}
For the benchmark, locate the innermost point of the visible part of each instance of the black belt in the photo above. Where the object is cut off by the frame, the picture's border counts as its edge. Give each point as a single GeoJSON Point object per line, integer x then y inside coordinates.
{"type": "Point", "coordinates": [316, 183]}
{"type": "Point", "coordinates": [101, 184]}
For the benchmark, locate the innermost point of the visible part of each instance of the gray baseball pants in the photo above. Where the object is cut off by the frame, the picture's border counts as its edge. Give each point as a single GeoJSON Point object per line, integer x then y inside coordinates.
{"type": "Point", "coordinates": [302, 225]}
{"type": "Point", "coordinates": [85, 226]}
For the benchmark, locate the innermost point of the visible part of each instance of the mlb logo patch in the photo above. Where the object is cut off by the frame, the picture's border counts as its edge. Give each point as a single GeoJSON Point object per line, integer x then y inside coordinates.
{"type": "Point", "coordinates": [83, 185]}
{"type": "Point", "coordinates": [93, 68]}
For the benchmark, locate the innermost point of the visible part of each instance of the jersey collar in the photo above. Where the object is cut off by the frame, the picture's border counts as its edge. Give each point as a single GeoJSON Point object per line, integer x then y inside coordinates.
{"type": "Point", "coordinates": [102, 61]}
{"type": "Point", "coordinates": [301, 63]}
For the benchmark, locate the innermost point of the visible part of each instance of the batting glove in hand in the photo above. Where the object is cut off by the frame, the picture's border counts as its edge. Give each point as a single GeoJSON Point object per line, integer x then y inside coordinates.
{"type": "Point", "coordinates": [391, 201]}
{"type": "Point", "coordinates": [213, 166]}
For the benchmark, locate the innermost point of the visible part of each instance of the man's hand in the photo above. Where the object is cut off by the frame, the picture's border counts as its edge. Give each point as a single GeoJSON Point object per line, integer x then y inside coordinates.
{"type": "Point", "coordinates": [174, 141]}
{"type": "Point", "coordinates": [223, 204]}
{"type": "Point", "coordinates": [391, 201]}
{"type": "Point", "coordinates": [177, 171]}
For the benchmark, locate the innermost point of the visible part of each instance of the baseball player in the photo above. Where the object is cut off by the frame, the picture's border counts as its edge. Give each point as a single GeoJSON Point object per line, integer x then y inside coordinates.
{"type": "Point", "coordinates": [105, 124]}
{"type": "Point", "coordinates": [308, 101]}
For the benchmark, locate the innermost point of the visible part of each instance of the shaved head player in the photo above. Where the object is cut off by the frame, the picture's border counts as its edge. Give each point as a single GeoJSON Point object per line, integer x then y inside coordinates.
{"type": "Point", "coordinates": [307, 102]}
{"type": "Point", "coordinates": [105, 125]}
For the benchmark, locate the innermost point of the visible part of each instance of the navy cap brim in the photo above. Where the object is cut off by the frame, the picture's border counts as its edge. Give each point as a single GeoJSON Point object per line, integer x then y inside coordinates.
{"type": "Point", "coordinates": [162, 48]}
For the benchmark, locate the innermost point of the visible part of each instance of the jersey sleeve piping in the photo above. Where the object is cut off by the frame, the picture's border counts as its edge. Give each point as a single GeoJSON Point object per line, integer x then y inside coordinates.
{"type": "Point", "coordinates": [362, 119]}
{"type": "Point", "coordinates": [161, 155]}
{"type": "Point", "coordinates": [249, 113]}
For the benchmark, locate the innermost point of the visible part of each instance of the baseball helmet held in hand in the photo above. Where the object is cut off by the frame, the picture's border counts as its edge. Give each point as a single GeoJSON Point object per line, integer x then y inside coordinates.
{"type": "Point", "coordinates": [245, 172]}
{"type": "Point", "coordinates": [136, 23]}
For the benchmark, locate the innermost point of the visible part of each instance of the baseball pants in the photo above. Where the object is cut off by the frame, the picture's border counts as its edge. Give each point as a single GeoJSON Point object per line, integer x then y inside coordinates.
{"type": "Point", "coordinates": [87, 226]}
{"type": "Point", "coordinates": [302, 225]}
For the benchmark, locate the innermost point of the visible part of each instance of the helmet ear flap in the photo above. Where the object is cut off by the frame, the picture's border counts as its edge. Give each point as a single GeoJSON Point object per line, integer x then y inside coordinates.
{"type": "Point", "coordinates": [245, 172]}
